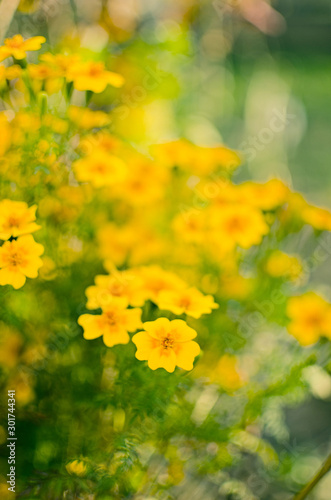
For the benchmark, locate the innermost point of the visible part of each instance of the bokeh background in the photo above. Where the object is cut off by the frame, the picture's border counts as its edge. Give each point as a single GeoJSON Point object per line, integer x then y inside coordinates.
{"type": "Point", "coordinates": [228, 67]}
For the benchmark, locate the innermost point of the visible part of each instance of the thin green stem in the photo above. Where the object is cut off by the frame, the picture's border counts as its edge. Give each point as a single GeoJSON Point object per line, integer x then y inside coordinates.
{"type": "Point", "coordinates": [74, 11]}
{"type": "Point", "coordinates": [313, 482]}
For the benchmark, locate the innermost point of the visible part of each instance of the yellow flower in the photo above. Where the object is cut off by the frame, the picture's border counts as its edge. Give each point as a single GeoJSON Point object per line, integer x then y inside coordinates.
{"type": "Point", "coordinates": [42, 71]}
{"type": "Point", "coordinates": [18, 47]}
{"type": "Point", "coordinates": [319, 218]}
{"type": "Point", "coordinates": [189, 301]}
{"type": "Point", "coordinates": [280, 264]}
{"type": "Point", "coordinates": [19, 259]}
{"type": "Point", "coordinates": [77, 468]}
{"type": "Point", "coordinates": [190, 226]}
{"type": "Point", "coordinates": [115, 242]}
{"type": "Point", "coordinates": [85, 118]}
{"type": "Point", "coordinates": [10, 346]}
{"type": "Point", "coordinates": [101, 169]}
{"type": "Point", "coordinates": [167, 344]}
{"type": "Point", "coordinates": [10, 73]}
{"type": "Point", "coordinates": [5, 134]}
{"type": "Point", "coordinates": [310, 317]}
{"type": "Point", "coordinates": [16, 219]}
{"type": "Point", "coordinates": [145, 184]}
{"type": "Point", "coordinates": [99, 140]}
{"type": "Point", "coordinates": [265, 196]}
{"type": "Point", "coordinates": [60, 62]}
{"type": "Point", "coordinates": [241, 225]}
{"type": "Point", "coordinates": [113, 324]}
{"type": "Point", "coordinates": [93, 76]}
{"type": "Point", "coordinates": [235, 286]}
{"type": "Point", "coordinates": [174, 153]}
{"type": "Point", "coordinates": [226, 373]}
{"type": "Point", "coordinates": [205, 160]}
{"type": "Point", "coordinates": [110, 288]}
{"type": "Point", "coordinates": [157, 279]}
{"type": "Point", "coordinates": [199, 160]}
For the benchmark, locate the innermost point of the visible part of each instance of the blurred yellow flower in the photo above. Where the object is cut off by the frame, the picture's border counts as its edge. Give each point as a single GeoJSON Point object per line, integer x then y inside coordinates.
{"type": "Point", "coordinates": [41, 71]}
{"type": "Point", "coordinates": [119, 285]}
{"type": "Point", "coordinates": [113, 324]}
{"type": "Point", "coordinates": [235, 286]}
{"type": "Point", "coordinates": [310, 318]}
{"type": "Point", "coordinates": [19, 259]}
{"type": "Point", "coordinates": [265, 196]}
{"type": "Point", "coordinates": [226, 373]}
{"type": "Point", "coordinates": [18, 47]}
{"type": "Point", "coordinates": [10, 345]}
{"type": "Point", "coordinates": [146, 183]}
{"type": "Point", "coordinates": [85, 118]}
{"type": "Point", "coordinates": [157, 280]}
{"type": "Point", "coordinates": [319, 218]}
{"type": "Point", "coordinates": [60, 62]}
{"type": "Point", "coordinates": [93, 76]}
{"type": "Point", "coordinates": [77, 468]}
{"type": "Point", "coordinates": [22, 383]}
{"type": "Point", "coordinates": [115, 242]}
{"type": "Point", "coordinates": [235, 224]}
{"type": "Point", "coordinates": [100, 168]}
{"type": "Point", "coordinates": [280, 264]}
{"type": "Point", "coordinates": [174, 153]}
{"type": "Point", "coordinates": [167, 344]}
{"type": "Point", "coordinates": [190, 225]}
{"type": "Point", "coordinates": [10, 73]}
{"type": "Point", "coordinates": [16, 219]}
{"type": "Point", "coordinates": [206, 160]}
{"type": "Point", "coordinates": [189, 301]}
{"type": "Point", "coordinates": [199, 160]}
{"type": "Point", "coordinates": [6, 135]}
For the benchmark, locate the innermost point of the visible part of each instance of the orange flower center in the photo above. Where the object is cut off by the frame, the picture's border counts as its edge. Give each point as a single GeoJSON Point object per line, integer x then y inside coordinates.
{"type": "Point", "coordinates": [13, 221]}
{"type": "Point", "coordinates": [137, 185]}
{"type": "Point", "coordinates": [14, 44]}
{"type": "Point", "coordinates": [235, 224]}
{"type": "Point", "coordinates": [185, 302]}
{"type": "Point", "coordinates": [95, 71]}
{"type": "Point", "coordinates": [15, 259]}
{"type": "Point", "coordinates": [192, 225]}
{"type": "Point", "coordinates": [167, 343]}
{"type": "Point", "coordinates": [314, 320]}
{"type": "Point", "coordinates": [110, 318]}
{"type": "Point", "coordinates": [116, 289]}
{"type": "Point", "coordinates": [99, 168]}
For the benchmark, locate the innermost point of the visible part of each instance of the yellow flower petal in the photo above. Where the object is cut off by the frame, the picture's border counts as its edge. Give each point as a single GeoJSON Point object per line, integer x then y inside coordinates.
{"type": "Point", "coordinates": [10, 276]}
{"type": "Point", "coordinates": [114, 338]}
{"type": "Point", "coordinates": [185, 354]}
{"type": "Point", "coordinates": [145, 345]}
{"type": "Point", "coordinates": [162, 358]}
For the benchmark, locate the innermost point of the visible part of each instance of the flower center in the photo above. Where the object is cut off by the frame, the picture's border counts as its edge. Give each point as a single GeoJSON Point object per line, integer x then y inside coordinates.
{"type": "Point", "coordinates": [15, 43]}
{"type": "Point", "coordinates": [235, 224]}
{"type": "Point", "coordinates": [13, 221]}
{"type": "Point", "coordinates": [185, 302]}
{"type": "Point", "coordinates": [314, 320]}
{"type": "Point", "coordinates": [15, 259]}
{"type": "Point", "coordinates": [95, 71]}
{"type": "Point", "coordinates": [167, 343]}
{"type": "Point", "coordinates": [99, 168]}
{"type": "Point", "coordinates": [110, 318]}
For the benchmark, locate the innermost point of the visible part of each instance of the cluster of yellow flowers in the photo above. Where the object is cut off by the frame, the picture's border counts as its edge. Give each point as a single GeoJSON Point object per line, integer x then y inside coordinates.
{"type": "Point", "coordinates": [53, 70]}
{"type": "Point", "coordinates": [163, 343]}
{"type": "Point", "coordinates": [172, 203]}
{"type": "Point", "coordinates": [19, 254]}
